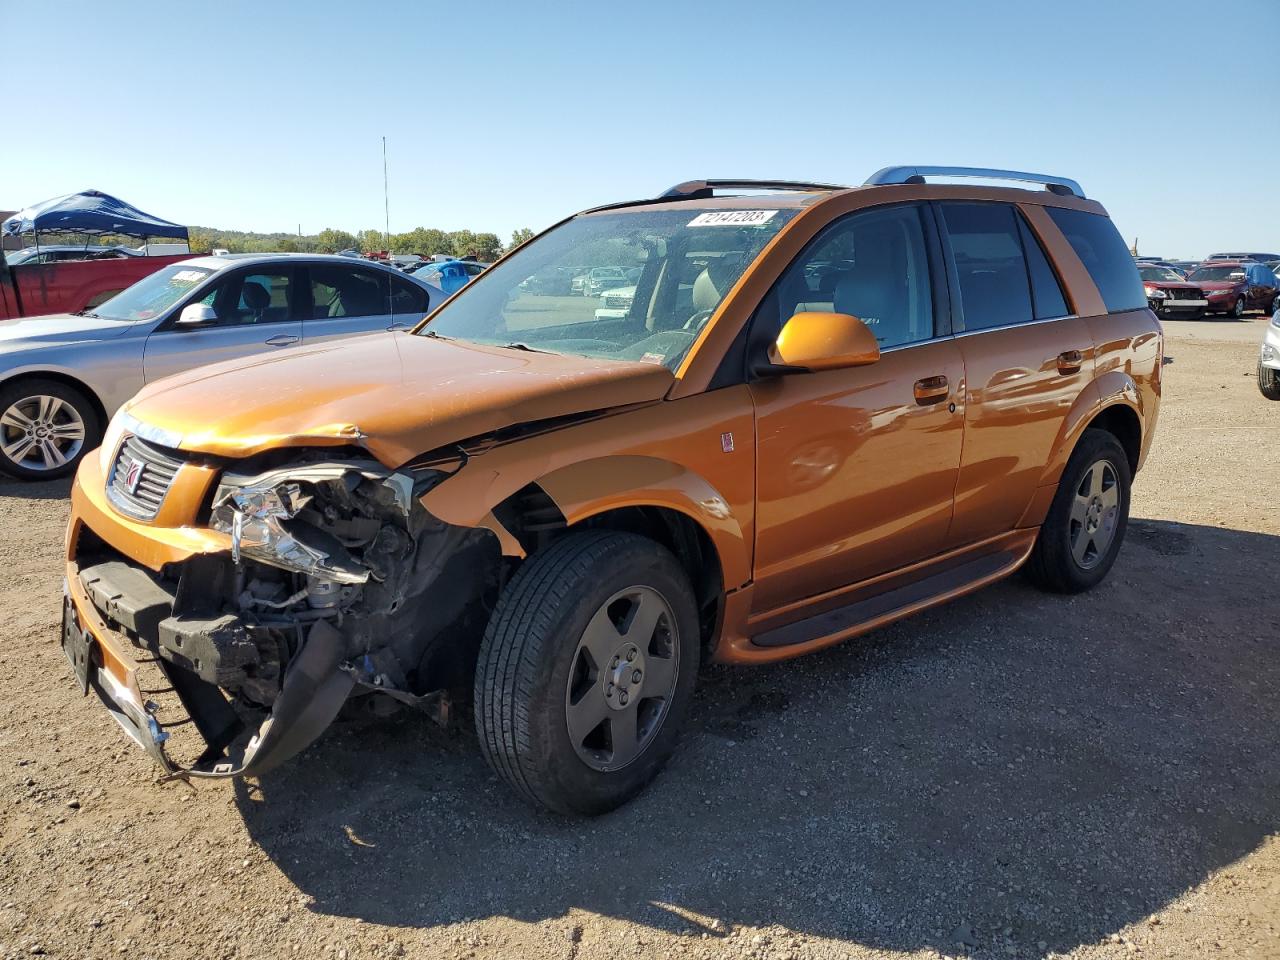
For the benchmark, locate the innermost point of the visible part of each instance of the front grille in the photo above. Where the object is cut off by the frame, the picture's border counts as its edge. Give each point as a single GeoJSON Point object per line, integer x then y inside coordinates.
{"type": "Point", "coordinates": [1181, 293]}
{"type": "Point", "coordinates": [149, 469]}
{"type": "Point", "coordinates": [617, 303]}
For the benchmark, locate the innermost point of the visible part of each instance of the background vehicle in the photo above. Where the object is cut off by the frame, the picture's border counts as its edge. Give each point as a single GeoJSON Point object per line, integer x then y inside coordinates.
{"type": "Point", "coordinates": [615, 304]}
{"type": "Point", "coordinates": [826, 409]}
{"type": "Point", "coordinates": [599, 279]}
{"type": "Point", "coordinates": [62, 376]}
{"type": "Point", "coordinates": [50, 253]}
{"type": "Point", "coordinates": [449, 275]}
{"type": "Point", "coordinates": [1260, 257]}
{"type": "Point", "coordinates": [1169, 295]}
{"type": "Point", "coordinates": [1269, 359]}
{"type": "Point", "coordinates": [70, 284]}
{"type": "Point", "coordinates": [1234, 286]}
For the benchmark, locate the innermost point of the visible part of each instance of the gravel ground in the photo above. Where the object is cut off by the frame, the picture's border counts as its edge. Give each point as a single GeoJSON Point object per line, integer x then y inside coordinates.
{"type": "Point", "coordinates": [1014, 775]}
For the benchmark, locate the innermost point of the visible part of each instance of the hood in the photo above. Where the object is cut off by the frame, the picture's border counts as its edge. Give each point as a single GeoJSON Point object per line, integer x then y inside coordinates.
{"type": "Point", "coordinates": [1171, 284]}
{"type": "Point", "coordinates": [1220, 284]}
{"type": "Point", "coordinates": [57, 328]}
{"type": "Point", "coordinates": [396, 394]}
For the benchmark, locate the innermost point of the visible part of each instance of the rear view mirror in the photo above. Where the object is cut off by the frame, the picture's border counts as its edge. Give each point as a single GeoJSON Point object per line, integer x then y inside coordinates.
{"type": "Point", "coordinates": [824, 341]}
{"type": "Point", "coordinates": [196, 314]}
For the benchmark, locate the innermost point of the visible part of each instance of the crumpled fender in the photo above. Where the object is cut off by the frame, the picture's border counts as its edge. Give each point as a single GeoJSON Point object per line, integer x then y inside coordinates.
{"type": "Point", "coordinates": [592, 487]}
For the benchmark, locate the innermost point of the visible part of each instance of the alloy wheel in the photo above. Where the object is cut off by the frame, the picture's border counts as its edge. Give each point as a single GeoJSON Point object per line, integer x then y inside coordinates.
{"type": "Point", "coordinates": [1095, 514]}
{"type": "Point", "coordinates": [41, 433]}
{"type": "Point", "coordinates": [622, 678]}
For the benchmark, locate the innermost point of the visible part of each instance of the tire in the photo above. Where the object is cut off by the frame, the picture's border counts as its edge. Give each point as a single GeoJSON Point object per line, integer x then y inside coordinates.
{"type": "Point", "coordinates": [1238, 310]}
{"type": "Point", "coordinates": [532, 664]}
{"type": "Point", "coordinates": [1054, 564]}
{"type": "Point", "coordinates": [1269, 382]}
{"type": "Point", "coordinates": [46, 427]}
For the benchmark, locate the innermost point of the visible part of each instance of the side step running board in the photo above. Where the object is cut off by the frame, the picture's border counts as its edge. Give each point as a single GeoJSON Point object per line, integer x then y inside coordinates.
{"type": "Point", "coordinates": [891, 604]}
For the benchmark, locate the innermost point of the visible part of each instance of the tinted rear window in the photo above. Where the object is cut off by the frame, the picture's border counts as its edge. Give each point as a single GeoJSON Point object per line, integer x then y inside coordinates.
{"type": "Point", "coordinates": [989, 262]}
{"type": "Point", "coordinates": [1099, 246]}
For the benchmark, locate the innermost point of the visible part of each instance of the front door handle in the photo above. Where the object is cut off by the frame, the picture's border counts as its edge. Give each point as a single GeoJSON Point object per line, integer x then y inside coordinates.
{"type": "Point", "coordinates": [931, 390]}
{"type": "Point", "coordinates": [1069, 361]}
{"type": "Point", "coordinates": [282, 340]}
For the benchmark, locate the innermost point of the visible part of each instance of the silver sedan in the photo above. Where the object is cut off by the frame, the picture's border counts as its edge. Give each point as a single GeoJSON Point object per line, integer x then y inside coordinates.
{"type": "Point", "coordinates": [62, 376]}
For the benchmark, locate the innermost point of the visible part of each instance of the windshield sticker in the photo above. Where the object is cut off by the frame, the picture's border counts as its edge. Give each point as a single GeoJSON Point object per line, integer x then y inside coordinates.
{"type": "Point", "coordinates": [653, 358]}
{"type": "Point", "coordinates": [733, 218]}
{"type": "Point", "coordinates": [189, 276]}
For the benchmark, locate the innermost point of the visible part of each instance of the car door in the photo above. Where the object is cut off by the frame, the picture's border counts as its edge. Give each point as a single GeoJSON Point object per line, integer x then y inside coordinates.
{"type": "Point", "coordinates": [256, 311]}
{"type": "Point", "coordinates": [345, 301]}
{"type": "Point", "coordinates": [1026, 359]}
{"type": "Point", "coordinates": [856, 468]}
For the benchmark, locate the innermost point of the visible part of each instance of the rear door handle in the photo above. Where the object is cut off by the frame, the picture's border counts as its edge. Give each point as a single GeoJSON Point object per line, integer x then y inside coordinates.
{"type": "Point", "coordinates": [282, 340]}
{"type": "Point", "coordinates": [931, 390]}
{"type": "Point", "coordinates": [1069, 361]}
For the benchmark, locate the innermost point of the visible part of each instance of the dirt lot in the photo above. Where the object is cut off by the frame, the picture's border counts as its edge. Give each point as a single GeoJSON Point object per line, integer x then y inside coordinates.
{"type": "Point", "coordinates": [1015, 775]}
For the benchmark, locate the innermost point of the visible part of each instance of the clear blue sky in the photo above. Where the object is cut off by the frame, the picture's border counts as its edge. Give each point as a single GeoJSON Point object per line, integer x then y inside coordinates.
{"type": "Point", "coordinates": [499, 115]}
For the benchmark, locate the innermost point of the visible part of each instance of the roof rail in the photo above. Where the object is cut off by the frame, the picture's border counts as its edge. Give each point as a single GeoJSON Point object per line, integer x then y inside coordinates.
{"type": "Point", "coordinates": [1059, 185]}
{"type": "Point", "coordinates": [704, 189]}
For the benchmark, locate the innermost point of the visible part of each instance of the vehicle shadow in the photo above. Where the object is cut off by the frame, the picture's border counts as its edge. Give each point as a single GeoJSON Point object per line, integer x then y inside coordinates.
{"type": "Point", "coordinates": [35, 489]}
{"type": "Point", "coordinates": [1021, 771]}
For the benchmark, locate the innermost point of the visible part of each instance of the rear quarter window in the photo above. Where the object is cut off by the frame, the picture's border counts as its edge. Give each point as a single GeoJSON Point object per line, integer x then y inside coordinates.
{"type": "Point", "coordinates": [1101, 249]}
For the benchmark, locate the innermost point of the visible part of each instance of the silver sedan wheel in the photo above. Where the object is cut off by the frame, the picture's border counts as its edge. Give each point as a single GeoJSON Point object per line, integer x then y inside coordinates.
{"type": "Point", "coordinates": [622, 678]}
{"type": "Point", "coordinates": [1095, 514]}
{"type": "Point", "coordinates": [41, 432]}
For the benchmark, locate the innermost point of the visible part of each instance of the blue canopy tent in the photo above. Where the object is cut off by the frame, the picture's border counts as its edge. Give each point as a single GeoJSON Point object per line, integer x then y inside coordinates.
{"type": "Point", "coordinates": [90, 212]}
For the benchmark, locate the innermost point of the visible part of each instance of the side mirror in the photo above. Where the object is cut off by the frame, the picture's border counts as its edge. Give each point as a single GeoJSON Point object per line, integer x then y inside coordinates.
{"type": "Point", "coordinates": [196, 315]}
{"type": "Point", "coordinates": [824, 341]}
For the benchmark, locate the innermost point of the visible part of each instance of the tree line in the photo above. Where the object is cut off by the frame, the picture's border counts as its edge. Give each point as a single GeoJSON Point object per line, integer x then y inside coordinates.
{"type": "Point", "coordinates": [424, 241]}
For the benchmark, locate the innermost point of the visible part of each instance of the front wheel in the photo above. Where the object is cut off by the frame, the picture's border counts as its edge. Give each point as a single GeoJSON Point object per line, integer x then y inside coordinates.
{"type": "Point", "coordinates": [1082, 533]}
{"type": "Point", "coordinates": [1269, 382]}
{"type": "Point", "coordinates": [45, 428]}
{"type": "Point", "coordinates": [586, 671]}
{"type": "Point", "coordinates": [1238, 310]}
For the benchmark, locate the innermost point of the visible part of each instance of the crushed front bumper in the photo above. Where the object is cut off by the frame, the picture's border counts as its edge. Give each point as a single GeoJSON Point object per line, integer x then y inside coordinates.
{"type": "Point", "coordinates": [105, 661]}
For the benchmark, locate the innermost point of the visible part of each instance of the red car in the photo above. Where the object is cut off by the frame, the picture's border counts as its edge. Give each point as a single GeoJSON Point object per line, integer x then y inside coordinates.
{"type": "Point", "coordinates": [1234, 286]}
{"type": "Point", "coordinates": [1169, 295]}
{"type": "Point", "coordinates": [69, 286]}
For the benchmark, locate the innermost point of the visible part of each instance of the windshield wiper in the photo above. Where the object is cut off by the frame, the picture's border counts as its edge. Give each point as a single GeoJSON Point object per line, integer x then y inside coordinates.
{"type": "Point", "coordinates": [86, 313]}
{"type": "Point", "coordinates": [435, 336]}
{"type": "Point", "coordinates": [523, 346]}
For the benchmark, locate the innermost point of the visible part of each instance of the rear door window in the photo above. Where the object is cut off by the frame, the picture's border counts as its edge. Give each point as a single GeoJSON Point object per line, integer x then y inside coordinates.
{"type": "Point", "coordinates": [1100, 248]}
{"type": "Point", "coordinates": [991, 269]}
{"type": "Point", "coordinates": [408, 298]}
{"type": "Point", "coordinates": [339, 291]}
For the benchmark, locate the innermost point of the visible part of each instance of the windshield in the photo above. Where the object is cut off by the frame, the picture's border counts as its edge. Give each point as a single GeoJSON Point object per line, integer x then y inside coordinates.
{"type": "Point", "coordinates": [683, 261]}
{"type": "Point", "coordinates": [153, 295]}
{"type": "Point", "coordinates": [1218, 273]}
{"type": "Point", "coordinates": [1160, 273]}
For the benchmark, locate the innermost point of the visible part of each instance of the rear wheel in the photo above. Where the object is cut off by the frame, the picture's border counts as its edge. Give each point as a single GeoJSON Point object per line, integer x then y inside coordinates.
{"type": "Point", "coordinates": [1082, 533]}
{"type": "Point", "coordinates": [586, 671]}
{"type": "Point", "coordinates": [45, 428]}
{"type": "Point", "coordinates": [1269, 382]}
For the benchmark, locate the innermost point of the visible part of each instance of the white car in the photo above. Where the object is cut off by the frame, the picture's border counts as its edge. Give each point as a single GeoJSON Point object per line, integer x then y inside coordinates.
{"type": "Point", "coordinates": [1269, 360]}
{"type": "Point", "coordinates": [62, 376]}
{"type": "Point", "coordinates": [615, 303]}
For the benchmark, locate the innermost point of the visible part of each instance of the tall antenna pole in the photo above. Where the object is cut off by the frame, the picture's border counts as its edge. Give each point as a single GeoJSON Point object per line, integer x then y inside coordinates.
{"type": "Point", "coordinates": [386, 201]}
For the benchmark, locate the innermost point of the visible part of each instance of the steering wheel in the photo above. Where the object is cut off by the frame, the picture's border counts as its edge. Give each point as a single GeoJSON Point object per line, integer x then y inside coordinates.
{"type": "Point", "coordinates": [695, 323]}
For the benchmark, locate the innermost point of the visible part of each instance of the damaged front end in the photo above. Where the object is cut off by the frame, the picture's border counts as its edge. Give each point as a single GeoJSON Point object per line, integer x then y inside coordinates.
{"type": "Point", "coordinates": [338, 584]}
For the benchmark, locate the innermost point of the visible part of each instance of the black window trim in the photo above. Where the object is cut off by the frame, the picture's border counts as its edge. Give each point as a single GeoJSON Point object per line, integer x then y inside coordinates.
{"type": "Point", "coordinates": [953, 278]}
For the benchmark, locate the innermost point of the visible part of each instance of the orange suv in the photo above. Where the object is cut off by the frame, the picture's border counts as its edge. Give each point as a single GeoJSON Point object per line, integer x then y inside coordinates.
{"type": "Point", "coordinates": [819, 409]}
